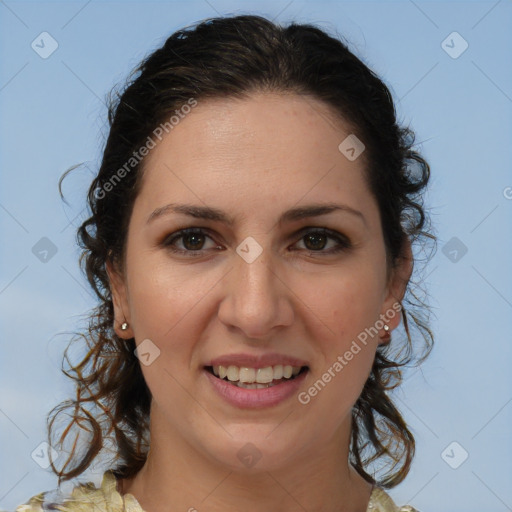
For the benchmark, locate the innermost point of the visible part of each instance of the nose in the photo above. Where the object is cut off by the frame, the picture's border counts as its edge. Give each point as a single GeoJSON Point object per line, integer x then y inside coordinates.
{"type": "Point", "coordinates": [256, 300]}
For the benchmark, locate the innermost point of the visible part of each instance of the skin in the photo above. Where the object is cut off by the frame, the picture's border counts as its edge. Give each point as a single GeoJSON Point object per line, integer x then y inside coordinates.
{"type": "Point", "coordinates": [253, 158]}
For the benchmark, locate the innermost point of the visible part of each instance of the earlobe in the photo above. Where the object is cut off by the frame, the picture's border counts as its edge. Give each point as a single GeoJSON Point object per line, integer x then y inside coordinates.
{"type": "Point", "coordinates": [119, 299]}
{"type": "Point", "coordinates": [401, 274]}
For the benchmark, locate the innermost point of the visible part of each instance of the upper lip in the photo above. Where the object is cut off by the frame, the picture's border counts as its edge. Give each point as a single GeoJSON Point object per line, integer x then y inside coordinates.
{"type": "Point", "coordinates": [256, 361]}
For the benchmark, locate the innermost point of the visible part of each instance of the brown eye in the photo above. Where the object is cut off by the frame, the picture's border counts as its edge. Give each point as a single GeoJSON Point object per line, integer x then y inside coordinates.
{"type": "Point", "coordinates": [192, 241]}
{"type": "Point", "coordinates": [315, 240]}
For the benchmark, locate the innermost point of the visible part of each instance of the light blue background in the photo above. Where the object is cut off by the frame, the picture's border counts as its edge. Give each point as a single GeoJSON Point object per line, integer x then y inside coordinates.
{"type": "Point", "coordinates": [52, 117]}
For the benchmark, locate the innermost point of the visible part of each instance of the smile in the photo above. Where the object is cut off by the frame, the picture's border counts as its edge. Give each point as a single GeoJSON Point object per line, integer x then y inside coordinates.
{"type": "Point", "coordinates": [256, 378]}
{"type": "Point", "coordinates": [240, 386]}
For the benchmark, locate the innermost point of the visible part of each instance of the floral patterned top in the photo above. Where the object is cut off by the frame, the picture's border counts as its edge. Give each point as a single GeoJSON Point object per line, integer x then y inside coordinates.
{"type": "Point", "coordinates": [88, 498]}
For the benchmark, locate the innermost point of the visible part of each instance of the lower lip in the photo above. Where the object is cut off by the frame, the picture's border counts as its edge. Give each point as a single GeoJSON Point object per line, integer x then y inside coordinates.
{"type": "Point", "coordinates": [255, 398]}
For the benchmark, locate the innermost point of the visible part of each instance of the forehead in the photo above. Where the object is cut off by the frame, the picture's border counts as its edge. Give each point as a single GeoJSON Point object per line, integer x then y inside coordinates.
{"type": "Point", "coordinates": [267, 148]}
{"type": "Point", "coordinates": [283, 124]}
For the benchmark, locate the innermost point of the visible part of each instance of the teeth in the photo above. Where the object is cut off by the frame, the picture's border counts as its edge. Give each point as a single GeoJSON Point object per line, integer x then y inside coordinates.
{"type": "Point", "coordinates": [265, 375]}
{"type": "Point", "coordinates": [255, 376]}
{"type": "Point", "coordinates": [247, 375]}
{"type": "Point", "coordinates": [233, 373]}
{"type": "Point", "coordinates": [254, 385]}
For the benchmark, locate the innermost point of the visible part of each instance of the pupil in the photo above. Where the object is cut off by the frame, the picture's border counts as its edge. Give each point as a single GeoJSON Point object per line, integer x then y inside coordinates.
{"type": "Point", "coordinates": [192, 236]}
{"type": "Point", "coordinates": [316, 236]}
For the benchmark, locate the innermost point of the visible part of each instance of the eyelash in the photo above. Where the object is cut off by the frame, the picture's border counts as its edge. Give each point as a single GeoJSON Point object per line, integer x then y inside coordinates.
{"type": "Point", "coordinates": [343, 242]}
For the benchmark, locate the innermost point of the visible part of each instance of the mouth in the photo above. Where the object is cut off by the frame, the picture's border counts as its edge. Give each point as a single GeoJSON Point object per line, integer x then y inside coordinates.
{"type": "Point", "coordinates": [256, 378]}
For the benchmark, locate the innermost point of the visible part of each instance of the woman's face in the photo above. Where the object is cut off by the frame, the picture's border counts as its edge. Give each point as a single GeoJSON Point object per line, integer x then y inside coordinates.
{"type": "Point", "coordinates": [258, 285]}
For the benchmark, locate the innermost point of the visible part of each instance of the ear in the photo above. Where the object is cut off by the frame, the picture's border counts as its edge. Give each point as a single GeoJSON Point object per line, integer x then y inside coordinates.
{"type": "Point", "coordinates": [397, 285]}
{"type": "Point", "coordinates": [120, 300]}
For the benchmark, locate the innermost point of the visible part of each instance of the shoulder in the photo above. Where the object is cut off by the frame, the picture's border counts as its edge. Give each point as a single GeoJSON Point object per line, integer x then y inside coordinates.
{"type": "Point", "coordinates": [89, 498]}
{"type": "Point", "coordinates": [83, 498]}
{"type": "Point", "coordinates": [381, 501]}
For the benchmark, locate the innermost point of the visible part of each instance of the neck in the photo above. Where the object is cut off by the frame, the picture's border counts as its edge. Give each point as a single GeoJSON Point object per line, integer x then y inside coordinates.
{"type": "Point", "coordinates": [176, 477]}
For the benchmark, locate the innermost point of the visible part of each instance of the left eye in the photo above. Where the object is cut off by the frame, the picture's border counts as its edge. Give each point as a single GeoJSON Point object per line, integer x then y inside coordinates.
{"type": "Point", "coordinates": [193, 239]}
{"type": "Point", "coordinates": [317, 239]}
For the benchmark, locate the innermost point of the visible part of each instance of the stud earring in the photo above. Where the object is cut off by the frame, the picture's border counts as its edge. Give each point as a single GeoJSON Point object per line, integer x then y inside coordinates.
{"type": "Point", "coordinates": [124, 326]}
{"type": "Point", "coordinates": [387, 336]}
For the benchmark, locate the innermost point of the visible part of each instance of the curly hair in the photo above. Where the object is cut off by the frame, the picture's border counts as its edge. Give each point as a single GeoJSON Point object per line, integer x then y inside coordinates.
{"type": "Point", "coordinates": [233, 57]}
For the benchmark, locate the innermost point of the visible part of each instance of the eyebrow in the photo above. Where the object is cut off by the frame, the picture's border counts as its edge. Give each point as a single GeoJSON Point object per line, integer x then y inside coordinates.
{"type": "Point", "coordinates": [294, 214]}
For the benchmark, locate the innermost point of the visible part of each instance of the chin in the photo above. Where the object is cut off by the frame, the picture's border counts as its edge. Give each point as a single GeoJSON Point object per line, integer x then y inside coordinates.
{"type": "Point", "coordinates": [253, 450]}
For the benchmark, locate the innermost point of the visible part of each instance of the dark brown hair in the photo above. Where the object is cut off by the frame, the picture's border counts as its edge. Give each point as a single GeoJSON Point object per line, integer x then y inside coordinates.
{"type": "Point", "coordinates": [232, 57]}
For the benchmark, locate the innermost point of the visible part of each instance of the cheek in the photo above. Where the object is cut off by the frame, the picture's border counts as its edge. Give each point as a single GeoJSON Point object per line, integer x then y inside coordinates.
{"type": "Point", "coordinates": [349, 303]}
{"type": "Point", "coordinates": [332, 391]}
{"type": "Point", "coordinates": [164, 309]}
{"type": "Point", "coordinates": [163, 297]}
{"type": "Point", "coordinates": [348, 352]}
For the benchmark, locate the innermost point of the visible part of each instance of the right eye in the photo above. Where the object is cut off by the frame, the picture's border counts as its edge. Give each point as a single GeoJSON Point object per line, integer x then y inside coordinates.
{"type": "Point", "coordinates": [192, 240]}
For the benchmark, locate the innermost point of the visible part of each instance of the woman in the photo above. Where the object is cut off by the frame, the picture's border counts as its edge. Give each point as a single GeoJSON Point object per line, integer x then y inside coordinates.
{"type": "Point", "coordinates": [250, 242]}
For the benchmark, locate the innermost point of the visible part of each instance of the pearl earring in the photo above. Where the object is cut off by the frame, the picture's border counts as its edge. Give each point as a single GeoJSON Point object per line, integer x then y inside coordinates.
{"type": "Point", "coordinates": [124, 326]}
